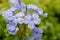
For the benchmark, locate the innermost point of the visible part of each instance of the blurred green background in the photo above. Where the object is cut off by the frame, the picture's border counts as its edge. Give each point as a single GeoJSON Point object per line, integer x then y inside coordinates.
{"type": "Point", "coordinates": [50, 25]}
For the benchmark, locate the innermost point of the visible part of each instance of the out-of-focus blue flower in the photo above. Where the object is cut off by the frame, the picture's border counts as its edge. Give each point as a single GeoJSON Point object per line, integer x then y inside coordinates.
{"type": "Point", "coordinates": [11, 28]}
{"type": "Point", "coordinates": [36, 31]}
{"type": "Point", "coordinates": [31, 20]}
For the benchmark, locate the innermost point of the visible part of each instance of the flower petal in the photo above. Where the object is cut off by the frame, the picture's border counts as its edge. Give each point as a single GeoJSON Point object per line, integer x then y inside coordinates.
{"type": "Point", "coordinates": [19, 15]}
{"type": "Point", "coordinates": [20, 20]}
{"type": "Point", "coordinates": [36, 21]}
{"type": "Point", "coordinates": [40, 11]}
{"type": "Point", "coordinates": [31, 25]}
{"type": "Point", "coordinates": [45, 14]}
{"type": "Point", "coordinates": [13, 22]}
{"type": "Point", "coordinates": [12, 29]}
{"type": "Point", "coordinates": [27, 19]}
{"type": "Point", "coordinates": [35, 16]}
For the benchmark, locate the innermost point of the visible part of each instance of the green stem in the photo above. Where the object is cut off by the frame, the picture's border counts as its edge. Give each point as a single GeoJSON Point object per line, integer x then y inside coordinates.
{"type": "Point", "coordinates": [22, 31]}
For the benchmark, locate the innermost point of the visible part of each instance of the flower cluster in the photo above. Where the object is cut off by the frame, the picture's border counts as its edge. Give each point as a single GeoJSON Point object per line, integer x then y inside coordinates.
{"type": "Point", "coordinates": [31, 19]}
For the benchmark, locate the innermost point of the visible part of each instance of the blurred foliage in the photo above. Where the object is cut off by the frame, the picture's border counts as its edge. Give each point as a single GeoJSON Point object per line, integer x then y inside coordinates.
{"type": "Point", "coordinates": [50, 25]}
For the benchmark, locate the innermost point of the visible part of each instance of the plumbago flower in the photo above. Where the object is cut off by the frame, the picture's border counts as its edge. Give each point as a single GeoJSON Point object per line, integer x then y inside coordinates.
{"type": "Point", "coordinates": [32, 20]}
{"type": "Point", "coordinates": [37, 33]}
{"type": "Point", "coordinates": [20, 18]}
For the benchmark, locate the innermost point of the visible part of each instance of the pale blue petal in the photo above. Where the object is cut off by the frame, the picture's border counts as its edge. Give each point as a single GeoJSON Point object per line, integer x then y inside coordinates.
{"type": "Point", "coordinates": [13, 22]}
{"type": "Point", "coordinates": [20, 20]}
{"type": "Point", "coordinates": [45, 15]}
{"type": "Point", "coordinates": [10, 27]}
{"type": "Point", "coordinates": [10, 17]}
{"type": "Point", "coordinates": [31, 25]}
{"type": "Point", "coordinates": [7, 13]}
{"type": "Point", "coordinates": [27, 19]}
{"type": "Point", "coordinates": [13, 9]}
{"type": "Point", "coordinates": [40, 11]}
{"type": "Point", "coordinates": [35, 15]}
{"type": "Point", "coordinates": [36, 21]}
{"type": "Point", "coordinates": [14, 31]}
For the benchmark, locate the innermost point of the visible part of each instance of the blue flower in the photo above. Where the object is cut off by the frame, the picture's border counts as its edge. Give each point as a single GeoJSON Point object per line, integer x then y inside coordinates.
{"type": "Point", "coordinates": [36, 31]}
{"type": "Point", "coordinates": [31, 20]}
